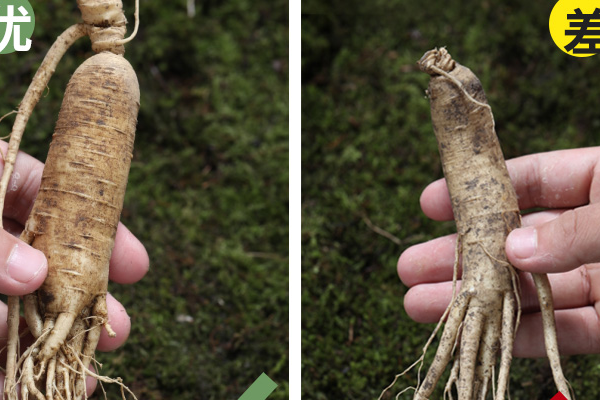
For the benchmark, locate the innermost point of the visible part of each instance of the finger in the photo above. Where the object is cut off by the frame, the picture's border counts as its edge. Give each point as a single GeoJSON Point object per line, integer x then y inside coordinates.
{"type": "Point", "coordinates": [573, 289]}
{"type": "Point", "coordinates": [129, 261]}
{"type": "Point", "coordinates": [559, 179]}
{"type": "Point", "coordinates": [435, 201]}
{"type": "Point", "coordinates": [433, 261]}
{"type": "Point", "coordinates": [22, 268]}
{"type": "Point", "coordinates": [426, 303]}
{"type": "Point", "coordinates": [119, 322]}
{"type": "Point", "coordinates": [561, 244]}
{"type": "Point", "coordinates": [23, 185]}
{"type": "Point", "coordinates": [428, 262]}
{"type": "Point", "coordinates": [577, 332]}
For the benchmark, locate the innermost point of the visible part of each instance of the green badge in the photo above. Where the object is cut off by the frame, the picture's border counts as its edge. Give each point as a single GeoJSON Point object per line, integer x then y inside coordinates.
{"type": "Point", "coordinates": [17, 21]}
{"type": "Point", "coordinates": [260, 389]}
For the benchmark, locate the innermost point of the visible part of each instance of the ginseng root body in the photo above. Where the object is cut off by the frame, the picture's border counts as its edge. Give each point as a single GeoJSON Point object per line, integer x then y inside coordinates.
{"type": "Point", "coordinates": [76, 212]}
{"type": "Point", "coordinates": [484, 314]}
{"type": "Point", "coordinates": [74, 222]}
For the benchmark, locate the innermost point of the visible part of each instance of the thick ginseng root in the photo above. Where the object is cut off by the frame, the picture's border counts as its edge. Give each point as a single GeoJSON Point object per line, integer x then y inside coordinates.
{"type": "Point", "coordinates": [74, 222]}
{"type": "Point", "coordinates": [76, 212]}
{"type": "Point", "coordinates": [486, 210]}
{"type": "Point", "coordinates": [483, 316]}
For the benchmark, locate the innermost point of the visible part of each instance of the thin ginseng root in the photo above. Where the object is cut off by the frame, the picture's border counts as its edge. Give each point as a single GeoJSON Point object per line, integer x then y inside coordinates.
{"type": "Point", "coordinates": [483, 317]}
{"type": "Point", "coordinates": [472, 371]}
{"type": "Point", "coordinates": [480, 339]}
{"type": "Point", "coordinates": [433, 335]}
{"type": "Point", "coordinates": [67, 362]}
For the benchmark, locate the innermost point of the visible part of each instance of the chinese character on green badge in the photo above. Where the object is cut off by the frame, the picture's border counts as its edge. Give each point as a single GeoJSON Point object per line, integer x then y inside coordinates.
{"type": "Point", "coordinates": [17, 21]}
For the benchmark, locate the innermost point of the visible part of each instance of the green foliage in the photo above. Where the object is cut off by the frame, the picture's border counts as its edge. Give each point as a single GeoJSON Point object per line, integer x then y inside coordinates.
{"type": "Point", "coordinates": [207, 193]}
{"type": "Point", "coordinates": [368, 150]}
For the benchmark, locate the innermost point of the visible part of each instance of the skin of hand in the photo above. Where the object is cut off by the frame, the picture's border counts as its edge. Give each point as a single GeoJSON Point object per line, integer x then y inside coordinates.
{"type": "Point", "coordinates": [23, 268]}
{"type": "Point", "coordinates": [562, 240]}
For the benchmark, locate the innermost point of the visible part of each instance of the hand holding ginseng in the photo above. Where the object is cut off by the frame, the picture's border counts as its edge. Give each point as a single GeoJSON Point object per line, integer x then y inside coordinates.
{"type": "Point", "coordinates": [562, 241]}
{"type": "Point", "coordinates": [128, 264]}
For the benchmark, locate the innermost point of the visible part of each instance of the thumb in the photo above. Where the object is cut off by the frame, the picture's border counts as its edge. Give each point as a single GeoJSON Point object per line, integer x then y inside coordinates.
{"type": "Point", "coordinates": [559, 245]}
{"type": "Point", "coordinates": [22, 268]}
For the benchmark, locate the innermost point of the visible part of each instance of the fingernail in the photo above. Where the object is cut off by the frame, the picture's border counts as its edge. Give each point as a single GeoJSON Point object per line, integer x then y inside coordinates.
{"type": "Point", "coordinates": [25, 263]}
{"type": "Point", "coordinates": [523, 242]}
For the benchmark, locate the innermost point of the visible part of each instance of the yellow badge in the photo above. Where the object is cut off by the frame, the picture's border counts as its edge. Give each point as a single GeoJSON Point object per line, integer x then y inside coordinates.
{"type": "Point", "coordinates": [575, 27]}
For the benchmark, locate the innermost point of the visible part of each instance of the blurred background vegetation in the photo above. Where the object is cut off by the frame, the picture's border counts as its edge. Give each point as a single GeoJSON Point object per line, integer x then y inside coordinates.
{"type": "Point", "coordinates": [368, 150]}
{"type": "Point", "coordinates": [207, 193]}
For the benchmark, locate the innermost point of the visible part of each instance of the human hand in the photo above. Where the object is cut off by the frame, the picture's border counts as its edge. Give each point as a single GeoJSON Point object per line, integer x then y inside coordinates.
{"type": "Point", "coordinates": [23, 268]}
{"type": "Point", "coordinates": [563, 240]}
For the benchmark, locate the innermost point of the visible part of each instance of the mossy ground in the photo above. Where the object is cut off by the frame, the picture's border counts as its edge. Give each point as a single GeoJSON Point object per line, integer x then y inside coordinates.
{"type": "Point", "coordinates": [368, 150]}
{"type": "Point", "coordinates": [207, 193]}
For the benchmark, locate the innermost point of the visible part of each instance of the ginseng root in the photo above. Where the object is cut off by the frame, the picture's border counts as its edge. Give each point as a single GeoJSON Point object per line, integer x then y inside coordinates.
{"type": "Point", "coordinates": [77, 210]}
{"type": "Point", "coordinates": [483, 315]}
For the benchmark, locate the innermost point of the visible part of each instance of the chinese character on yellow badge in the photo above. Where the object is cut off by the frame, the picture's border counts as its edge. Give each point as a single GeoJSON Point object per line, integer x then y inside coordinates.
{"type": "Point", "coordinates": [575, 27]}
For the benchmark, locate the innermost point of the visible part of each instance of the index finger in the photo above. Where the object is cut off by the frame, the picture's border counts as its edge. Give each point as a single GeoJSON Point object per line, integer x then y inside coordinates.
{"type": "Point", "coordinates": [557, 179]}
